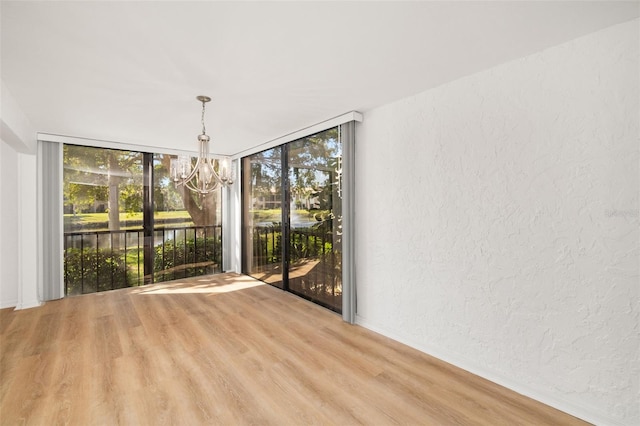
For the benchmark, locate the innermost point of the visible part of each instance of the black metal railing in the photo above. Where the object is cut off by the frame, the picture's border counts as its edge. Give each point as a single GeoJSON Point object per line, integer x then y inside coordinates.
{"type": "Point", "coordinates": [106, 260]}
{"type": "Point", "coordinates": [314, 261]}
{"type": "Point", "coordinates": [187, 252]}
{"type": "Point", "coordinates": [304, 243]}
{"type": "Point", "coordinates": [267, 246]}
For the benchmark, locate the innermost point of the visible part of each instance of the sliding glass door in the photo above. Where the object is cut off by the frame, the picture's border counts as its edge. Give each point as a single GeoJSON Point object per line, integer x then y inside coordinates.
{"type": "Point", "coordinates": [262, 216]}
{"type": "Point", "coordinates": [315, 215]}
{"type": "Point", "coordinates": [292, 214]}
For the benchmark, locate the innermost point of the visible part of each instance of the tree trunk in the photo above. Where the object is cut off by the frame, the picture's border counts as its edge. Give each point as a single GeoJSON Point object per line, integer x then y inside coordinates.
{"type": "Point", "coordinates": [114, 206]}
{"type": "Point", "coordinates": [203, 214]}
{"type": "Point", "coordinates": [202, 209]}
{"type": "Point", "coordinates": [114, 193]}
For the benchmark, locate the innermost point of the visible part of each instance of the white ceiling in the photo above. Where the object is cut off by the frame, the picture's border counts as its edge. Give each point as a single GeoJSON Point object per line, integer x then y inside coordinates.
{"type": "Point", "coordinates": [130, 71]}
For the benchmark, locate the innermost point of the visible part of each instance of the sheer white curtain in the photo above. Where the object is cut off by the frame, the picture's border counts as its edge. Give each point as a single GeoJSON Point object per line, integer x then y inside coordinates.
{"type": "Point", "coordinates": [50, 225]}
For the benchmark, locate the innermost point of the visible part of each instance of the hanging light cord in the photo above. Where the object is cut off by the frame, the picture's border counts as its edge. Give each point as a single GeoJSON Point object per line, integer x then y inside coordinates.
{"type": "Point", "coordinates": [202, 119]}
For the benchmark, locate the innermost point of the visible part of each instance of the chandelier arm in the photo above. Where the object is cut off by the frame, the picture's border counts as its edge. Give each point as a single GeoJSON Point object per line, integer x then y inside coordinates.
{"type": "Point", "coordinates": [203, 177]}
{"type": "Point", "coordinates": [194, 188]}
{"type": "Point", "coordinates": [193, 179]}
{"type": "Point", "coordinates": [214, 184]}
{"type": "Point", "coordinates": [194, 171]}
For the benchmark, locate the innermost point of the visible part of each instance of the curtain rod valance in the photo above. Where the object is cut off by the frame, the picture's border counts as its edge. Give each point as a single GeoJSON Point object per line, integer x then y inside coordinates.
{"type": "Point", "coordinates": [98, 143]}
{"type": "Point", "coordinates": [298, 134]}
{"type": "Point", "coordinates": [307, 131]}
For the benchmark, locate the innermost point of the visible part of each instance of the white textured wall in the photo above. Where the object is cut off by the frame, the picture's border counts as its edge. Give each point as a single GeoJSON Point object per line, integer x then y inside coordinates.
{"type": "Point", "coordinates": [8, 226]}
{"type": "Point", "coordinates": [497, 224]}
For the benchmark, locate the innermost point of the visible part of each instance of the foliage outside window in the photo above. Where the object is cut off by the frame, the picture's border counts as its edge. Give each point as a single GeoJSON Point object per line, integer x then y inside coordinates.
{"type": "Point", "coordinates": [303, 254]}
{"type": "Point", "coordinates": [104, 216]}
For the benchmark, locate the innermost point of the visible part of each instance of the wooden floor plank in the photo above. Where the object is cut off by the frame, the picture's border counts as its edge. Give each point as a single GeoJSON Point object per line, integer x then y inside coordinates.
{"type": "Point", "coordinates": [228, 350]}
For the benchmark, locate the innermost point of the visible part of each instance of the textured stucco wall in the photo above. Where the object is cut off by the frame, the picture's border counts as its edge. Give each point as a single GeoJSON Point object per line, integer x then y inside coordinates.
{"type": "Point", "coordinates": [497, 224]}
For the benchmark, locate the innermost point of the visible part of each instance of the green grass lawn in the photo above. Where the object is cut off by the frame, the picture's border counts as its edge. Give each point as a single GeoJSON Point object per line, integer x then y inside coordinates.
{"type": "Point", "coordinates": [274, 215]}
{"type": "Point", "coordinates": [100, 221]}
{"type": "Point", "coordinates": [87, 218]}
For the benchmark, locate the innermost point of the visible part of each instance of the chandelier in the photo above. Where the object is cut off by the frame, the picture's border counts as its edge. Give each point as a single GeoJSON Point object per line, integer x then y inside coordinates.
{"type": "Point", "coordinates": [208, 173]}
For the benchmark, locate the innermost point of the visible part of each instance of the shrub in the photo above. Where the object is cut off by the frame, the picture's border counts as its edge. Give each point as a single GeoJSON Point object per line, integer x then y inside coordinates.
{"type": "Point", "coordinates": [90, 270]}
{"type": "Point", "coordinates": [196, 256]}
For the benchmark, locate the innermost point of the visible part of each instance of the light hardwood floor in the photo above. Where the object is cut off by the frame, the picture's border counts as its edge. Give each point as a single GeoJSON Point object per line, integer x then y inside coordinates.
{"type": "Point", "coordinates": [228, 350]}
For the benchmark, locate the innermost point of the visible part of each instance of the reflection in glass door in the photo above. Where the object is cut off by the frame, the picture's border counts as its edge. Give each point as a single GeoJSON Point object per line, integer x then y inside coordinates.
{"type": "Point", "coordinates": [315, 212]}
{"type": "Point", "coordinates": [103, 219]}
{"type": "Point", "coordinates": [292, 220]}
{"type": "Point", "coordinates": [262, 216]}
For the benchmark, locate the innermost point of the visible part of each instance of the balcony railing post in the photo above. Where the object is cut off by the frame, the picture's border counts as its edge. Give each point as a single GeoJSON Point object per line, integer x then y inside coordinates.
{"type": "Point", "coordinates": [173, 274]}
{"type": "Point", "coordinates": [66, 266]}
{"type": "Point", "coordinates": [82, 264]}
{"type": "Point", "coordinates": [147, 215]}
{"type": "Point", "coordinates": [111, 251]}
{"type": "Point", "coordinates": [97, 261]}
{"type": "Point", "coordinates": [138, 257]}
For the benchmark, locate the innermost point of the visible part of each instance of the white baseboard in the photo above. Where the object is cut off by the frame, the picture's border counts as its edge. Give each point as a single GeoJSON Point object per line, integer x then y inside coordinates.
{"type": "Point", "coordinates": [28, 304]}
{"type": "Point", "coordinates": [8, 303]}
{"type": "Point", "coordinates": [569, 407]}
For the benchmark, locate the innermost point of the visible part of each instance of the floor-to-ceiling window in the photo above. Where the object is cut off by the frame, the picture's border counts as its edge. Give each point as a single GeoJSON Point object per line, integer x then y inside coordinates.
{"type": "Point", "coordinates": [262, 182]}
{"type": "Point", "coordinates": [103, 237]}
{"type": "Point", "coordinates": [292, 217]}
{"type": "Point", "coordinates": [127, 224]}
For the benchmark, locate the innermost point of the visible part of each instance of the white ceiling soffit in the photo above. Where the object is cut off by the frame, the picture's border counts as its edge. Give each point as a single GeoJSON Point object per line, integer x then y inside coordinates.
{"type": "Point", "coordinates": [130, 71]}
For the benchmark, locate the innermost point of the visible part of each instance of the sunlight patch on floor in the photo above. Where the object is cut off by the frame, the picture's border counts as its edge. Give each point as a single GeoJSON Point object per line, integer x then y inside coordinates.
{"type": "Point", "coordinates": [201, 286]}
